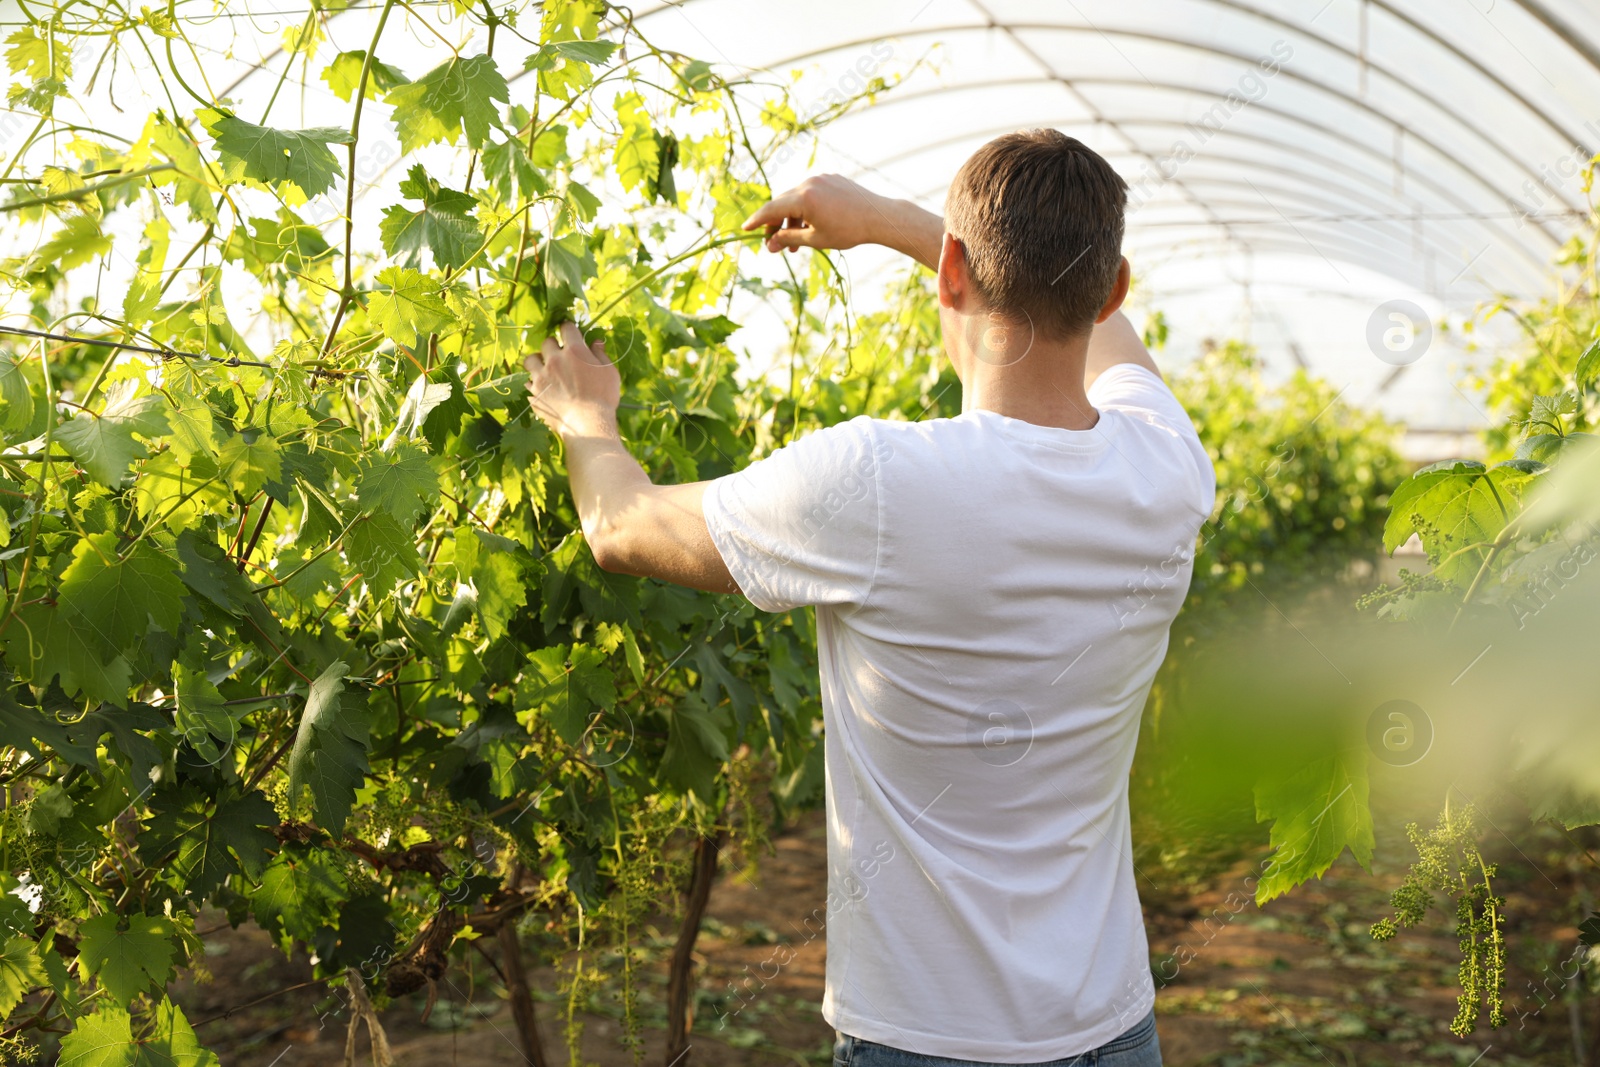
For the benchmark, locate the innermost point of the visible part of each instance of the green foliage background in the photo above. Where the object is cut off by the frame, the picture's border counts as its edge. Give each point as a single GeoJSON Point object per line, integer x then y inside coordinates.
{"type": "Point", "coordinates": [297, 621]}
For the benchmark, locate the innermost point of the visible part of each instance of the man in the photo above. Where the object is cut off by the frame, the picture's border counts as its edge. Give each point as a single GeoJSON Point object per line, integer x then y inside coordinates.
{"type": "Point", "coordinates": [993, 595]}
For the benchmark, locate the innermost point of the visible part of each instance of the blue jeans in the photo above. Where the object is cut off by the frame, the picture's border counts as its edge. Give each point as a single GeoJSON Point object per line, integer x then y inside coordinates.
{"type": "Point", "coordinates": [1138, 1047]}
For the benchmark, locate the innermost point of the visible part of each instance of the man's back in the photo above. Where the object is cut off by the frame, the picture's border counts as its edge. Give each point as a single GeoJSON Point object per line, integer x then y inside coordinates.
{"type": "Point", "coordinates": [993, 600]}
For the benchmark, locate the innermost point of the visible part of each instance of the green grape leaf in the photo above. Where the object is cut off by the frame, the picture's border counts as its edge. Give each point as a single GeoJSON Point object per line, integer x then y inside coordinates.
{"type": "Point", "coordinates": [1588, 366]}
{"type": "Point", "coordinates": [1548, 410]}
{"type": "Point", "coordinates": [77, 242]}
{"type": "Point", "coordinates": [1316, 814]}
{"type": "Point", "coordinates": [501, 590]}
{"type": "Point", "coordinates": [400, 481]}
{"type": "Point", "coordinates": [501, 393]}
{"type": "Point", "coordinates": [200, 847]}
{"type": "Point", "coordinates": [209, 572]}
{"type": "Point", "coordinates": [44, 642]}
{"type": "Point", "coordinates": [343, 74]}
{"type": "Point", "coordinates": [191, 429]}
{"type": "Point", "coordinates": [249, 461]}
{"type": "Point", "coordinates": [696, 747]}
{"type": "Point", "coordinates": [411, 308]}
{"type": "Point", "coordinates": [1541, 447]}
{"type": "Point", "coordinates": [637, 153]}
{"type": "Point", "coordinates": [422, 399]}
{"type": "Point", "coordinates": [190, 177]}
{"type": "Point", "coordinates": [299, 893]}
{"type": "Point", "coordinates": [443, 225]}
{"type": "Point", "coordinates": [458, 96]}
{"type": "Point", "coordinates": [330, 748]}
{"type": "Point", "coordinates": [506, 163]}
{"type": "Point", "coordinates": [201, 716]}
{"type": "Point", "coordinates": [104, 444]}
{"type": "Point", "coordinates": [568, 262]}
{"type": "Point", "coordinates": [366, 931]}
{"type": "Point", "coordinates": [104, 448]}
{"type": "Point", "coordinates": [31, 729]}
{"type": "Point", "coordinates": [117, 597]}
{"type": "Point", "coordinates": [566, 688]}
{"type": "Point", "coordinates": [127, 961]}
{"type": "Point", "coordinates": [144, 289]}
{"type": "Point", "coordinates": [48, 809]}
{"type": "Point", "coordinates": [106, 1039]}
{"type": "Point", "coordinates": [20, 971]}
{"type": "Point", "coordinates": [1458, 509]}
{"type": "Point", "coordinates": [383, 551]}
{"type": "Point", "coordinates": [563, 66]}
{"type": "Point", "coordinates": [696, 74]}
{"type": "Point", "coordinates": [264, 154]}
{"type": "Point", "coordinates": [16, 399]}
{"type": "Point", "coordinates": [37, 57]}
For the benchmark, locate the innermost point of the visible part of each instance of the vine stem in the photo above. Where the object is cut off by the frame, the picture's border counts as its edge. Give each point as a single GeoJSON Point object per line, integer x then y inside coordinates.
{"type": "Point", "coordinates": [515, 976]}
{"type": "Point", "coordinates": [680, 970]}
{"type": "Point", "coordinates": [89, 190]}
{"type": "Point", "coordinates": [44, 480]}
{"type": "Point", "coordinates": [347, 294]}
{"type": "Point", "coordinates": [1499, 544]}
{"type": "Point", "coordinates": [704, 246]}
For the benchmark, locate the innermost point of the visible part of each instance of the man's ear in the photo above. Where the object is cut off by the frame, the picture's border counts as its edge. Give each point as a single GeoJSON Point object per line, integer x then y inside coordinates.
{"type": "Point", "coordinates": [954, 282]}
{"type": "Point", "coordinates": [1119, 292]}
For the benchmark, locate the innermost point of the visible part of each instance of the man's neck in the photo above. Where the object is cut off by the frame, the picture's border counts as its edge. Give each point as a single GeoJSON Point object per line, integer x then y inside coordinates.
{"type": "Point", "coordinates": [1044, 387]}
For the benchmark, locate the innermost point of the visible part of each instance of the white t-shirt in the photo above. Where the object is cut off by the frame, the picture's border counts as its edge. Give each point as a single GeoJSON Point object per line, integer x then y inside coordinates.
{"type": "Point", "coordinates": [993, 599]}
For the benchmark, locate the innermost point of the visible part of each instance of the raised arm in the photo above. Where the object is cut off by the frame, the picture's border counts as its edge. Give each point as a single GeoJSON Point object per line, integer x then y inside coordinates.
{"type": "Point", "coordinates": [830, 211]}
{"type": "Point", "coordinates": [1112, 342]}
{"type": "Point", "coordinates": [631, 525]}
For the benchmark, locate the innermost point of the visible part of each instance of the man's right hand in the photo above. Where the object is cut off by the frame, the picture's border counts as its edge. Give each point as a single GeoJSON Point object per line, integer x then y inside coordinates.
{"type": "Point", "coordinates": [831, 211]}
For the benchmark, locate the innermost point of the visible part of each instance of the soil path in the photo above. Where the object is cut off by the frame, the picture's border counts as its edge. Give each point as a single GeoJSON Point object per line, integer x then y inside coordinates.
{"type": "Point", "coordinates": [1297, 982]}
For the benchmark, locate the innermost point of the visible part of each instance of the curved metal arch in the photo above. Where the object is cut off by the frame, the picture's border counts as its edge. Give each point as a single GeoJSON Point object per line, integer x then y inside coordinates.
{"type": "Point", "coordinates": [1138, 35]}
{"type": "Point", "coordinates": [1346, 202]}
{"type": "Point", "coordinates": [1421, 178]}
{"type": "Point", "coordinates": [1094, 109]}
{"type": "Point", "coordinates": [1490, 76]}
{"type": "Point", "coordinates": [1556, 26]}
{"type": "Point", "coordinates": [1443, 191]}
{"type": "Point", "coordinates": [1374, 233]}
{"type": "Point", "coordinates": [1563, 32]}
{"type": "Point", "coordinates": [1394, 235]}
{"type": "Point", "coordinates": [1464, 224]}
{"type": "Point", "coordinates": [1316, 288]}
{"type": "Point", "coordinates": [1349, 246]}
{"type": "Point", "coordinates": [1278, 246]}
{"type": "Point", "coordinates": [1265, 228]}
{"type": "Point", "coordinates": [1227, 131]}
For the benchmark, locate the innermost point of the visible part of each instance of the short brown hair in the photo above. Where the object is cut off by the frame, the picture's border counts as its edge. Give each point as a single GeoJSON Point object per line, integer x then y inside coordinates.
{"type": "Point", "coordinates": [1040, 215]}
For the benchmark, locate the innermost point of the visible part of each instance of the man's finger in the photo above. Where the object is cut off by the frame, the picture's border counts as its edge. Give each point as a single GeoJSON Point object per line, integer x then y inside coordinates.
{"type": "Point", "coordinates": [571, 336]}
{"type": "Point", "coordinates": [774, 211]}
{"type": "Point", "coordinates": [550, 349]}
{"type": "Point", "coordinates": [801, 236]}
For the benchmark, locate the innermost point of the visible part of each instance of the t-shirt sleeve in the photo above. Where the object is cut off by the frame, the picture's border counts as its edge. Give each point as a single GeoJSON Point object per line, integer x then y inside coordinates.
{"type": "Point", "coordinates": [1140, 393]}
{"type": "Point", "coordinates": [1130, 387]}
{"type": "Point", "coordinates": [800, 527]}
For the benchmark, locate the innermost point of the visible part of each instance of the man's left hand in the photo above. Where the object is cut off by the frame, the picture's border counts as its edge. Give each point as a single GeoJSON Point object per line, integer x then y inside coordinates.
{"type": "Point", "coordinates": [573, 387]}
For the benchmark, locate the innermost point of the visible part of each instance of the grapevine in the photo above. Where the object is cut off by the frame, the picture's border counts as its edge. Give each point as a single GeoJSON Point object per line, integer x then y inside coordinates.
{"type": "Point", "coordinates": [297, 620]}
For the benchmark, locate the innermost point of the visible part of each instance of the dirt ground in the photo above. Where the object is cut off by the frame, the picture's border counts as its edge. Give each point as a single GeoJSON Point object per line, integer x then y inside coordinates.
{"type": "Point", "coordinates": [1297, 982]}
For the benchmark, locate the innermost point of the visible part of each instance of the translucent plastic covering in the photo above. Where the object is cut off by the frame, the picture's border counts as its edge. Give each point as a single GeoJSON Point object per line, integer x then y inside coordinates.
{"type": "Point", "coordinates": [1297, 167]}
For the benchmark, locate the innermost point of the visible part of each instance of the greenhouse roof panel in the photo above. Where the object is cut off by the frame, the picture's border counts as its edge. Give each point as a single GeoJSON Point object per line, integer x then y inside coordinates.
{"type": "Point", "coordinates": [1384, 148]}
